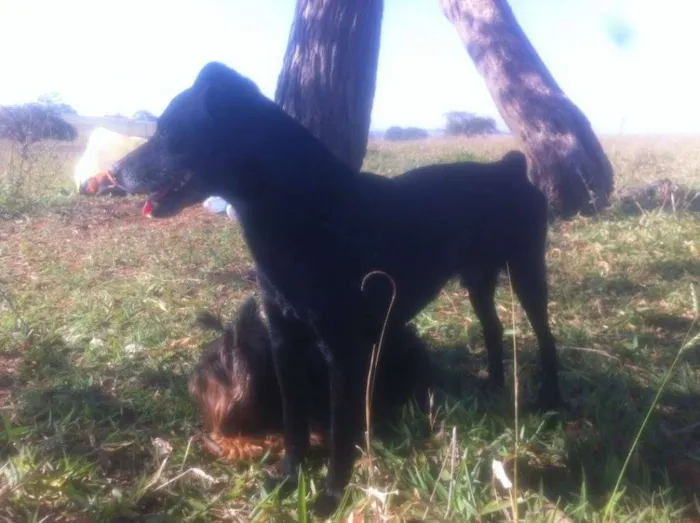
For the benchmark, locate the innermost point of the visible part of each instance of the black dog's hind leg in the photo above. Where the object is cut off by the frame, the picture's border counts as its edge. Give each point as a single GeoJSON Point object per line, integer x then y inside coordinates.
{"type": "Point", "coordinates": [289, 340]}
{"type": "Point", "coordinates": [529, 276]}
{"type": "Point", "coordinates": [481, 285]}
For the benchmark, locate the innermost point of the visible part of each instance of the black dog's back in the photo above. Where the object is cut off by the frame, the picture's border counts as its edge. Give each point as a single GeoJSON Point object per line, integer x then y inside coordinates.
{"type": "Point", "coordinates": [494, 195]}
{"type": "Point", "coordinates": [455, 219]}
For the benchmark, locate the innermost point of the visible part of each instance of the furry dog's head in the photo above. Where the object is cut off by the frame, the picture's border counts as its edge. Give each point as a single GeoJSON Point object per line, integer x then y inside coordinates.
{"type": "Point", "coordinates": [236, 388]}
{"type": "Point", "coordinates": [234, 383]}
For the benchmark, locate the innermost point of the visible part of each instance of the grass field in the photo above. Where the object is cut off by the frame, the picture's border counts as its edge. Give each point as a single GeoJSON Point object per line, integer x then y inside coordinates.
{"type": "Point", "coordinates": [96, 340]}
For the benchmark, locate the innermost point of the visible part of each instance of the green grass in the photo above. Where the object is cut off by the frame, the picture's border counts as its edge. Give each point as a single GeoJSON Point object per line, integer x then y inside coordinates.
{"type": "Point", "coordinates": [96, 340]}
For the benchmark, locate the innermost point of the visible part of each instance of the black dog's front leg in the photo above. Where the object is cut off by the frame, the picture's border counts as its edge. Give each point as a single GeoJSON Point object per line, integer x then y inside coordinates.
{"type": "Point", "coordinates": [290, 338]}
{"type": "Point", "coordinates": [347, 373]}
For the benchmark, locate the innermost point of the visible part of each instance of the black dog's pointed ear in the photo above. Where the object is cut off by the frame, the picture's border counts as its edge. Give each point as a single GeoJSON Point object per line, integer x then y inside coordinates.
{"type": "Point", "coordinates": [224, 86]}
{"type": "Point", "coordinates": [212, 72]}
{"type": "Point", "coordinates": [216, 73]}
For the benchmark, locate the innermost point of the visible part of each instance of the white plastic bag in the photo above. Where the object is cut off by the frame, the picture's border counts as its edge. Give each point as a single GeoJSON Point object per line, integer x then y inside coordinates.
{"type": "Point", "coordinates": [104, 147]}
{"type": "Point", "coordinates": [217, 205]}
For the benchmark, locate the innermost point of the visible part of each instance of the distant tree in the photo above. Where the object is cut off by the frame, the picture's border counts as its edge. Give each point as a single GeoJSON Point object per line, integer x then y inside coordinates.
{"type": "Point", "coordinates": [66, 109]}
{"type": "Point", "coordinates": [329, 73]}
{"type": "Point", "coordinates": [50, 98]}
{"type": "Point", "coordinates": [415, 133]}
{"type": "Point", "coordinates": [469, 124]}
{"type": "Point", "coordinates": [117, 116]}
{"type": "Point", "coordinates": [145, 116]}
{"type": "Point", "coordinates": [33, 122]}
{"type": "Point", "coordinates": [396, 133]}
{"type": "Point", "coordinates": [55, 101]}
{"type": "Point", "coordinates": [567, 160]}
{"type": "Point", "coordinates": [393, 133]}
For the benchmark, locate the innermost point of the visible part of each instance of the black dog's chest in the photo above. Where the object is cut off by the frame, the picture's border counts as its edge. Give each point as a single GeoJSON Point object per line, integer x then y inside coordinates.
{"type": "Point", "coordinates": [272, 292]}
{"type": "Point", "coordinates": [323, 263]}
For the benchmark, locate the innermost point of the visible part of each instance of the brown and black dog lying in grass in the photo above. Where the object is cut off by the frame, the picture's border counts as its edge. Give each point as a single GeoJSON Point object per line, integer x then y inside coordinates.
{"type": "Point", "coordinates": [237, 392]}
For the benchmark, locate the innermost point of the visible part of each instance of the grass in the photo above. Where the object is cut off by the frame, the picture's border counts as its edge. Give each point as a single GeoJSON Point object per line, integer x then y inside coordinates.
{"type": "Point", "coordinates": [96, 339]}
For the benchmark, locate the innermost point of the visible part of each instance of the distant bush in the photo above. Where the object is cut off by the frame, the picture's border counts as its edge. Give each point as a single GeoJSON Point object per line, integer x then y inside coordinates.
{"type": "Point", "coordinates": [396, 133]}
{"type": "Point", "coordinates": [33, 164]}
{"type": "Point", "coordinates": [469, 124]}
{"type": "Point", "coordinates": [33, 122]}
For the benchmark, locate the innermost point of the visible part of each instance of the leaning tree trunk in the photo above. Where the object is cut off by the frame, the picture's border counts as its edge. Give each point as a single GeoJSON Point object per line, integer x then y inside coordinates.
{"type": "Point", "coordinates": [567, 160]}
{"type": "Point", "coordinates": [328, 78]}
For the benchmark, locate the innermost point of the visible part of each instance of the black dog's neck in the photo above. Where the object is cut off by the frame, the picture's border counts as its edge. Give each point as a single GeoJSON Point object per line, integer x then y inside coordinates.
{"type": "Point", "coordinates": [288, 163]}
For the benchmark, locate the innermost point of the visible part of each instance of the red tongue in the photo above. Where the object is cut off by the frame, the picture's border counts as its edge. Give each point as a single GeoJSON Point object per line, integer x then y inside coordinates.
{"type": "Point", "coordinates": [147, 209]}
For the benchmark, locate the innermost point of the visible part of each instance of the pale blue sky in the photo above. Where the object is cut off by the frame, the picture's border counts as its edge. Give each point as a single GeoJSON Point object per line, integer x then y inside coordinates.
{"type": "Point", "coordinates": [108, 57]}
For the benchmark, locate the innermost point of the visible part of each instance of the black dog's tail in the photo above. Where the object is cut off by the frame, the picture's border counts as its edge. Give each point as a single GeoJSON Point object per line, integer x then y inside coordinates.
{"type": "Point", "coordinates": [516, 162]}
{"type": "Point", "coordinates": [208, 321]}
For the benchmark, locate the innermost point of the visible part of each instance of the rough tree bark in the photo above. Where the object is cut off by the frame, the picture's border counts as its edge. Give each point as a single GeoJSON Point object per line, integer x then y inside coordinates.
{"type": "Point", "coordinates": [328, 78]}
{"type": "Point", "coordinates": [567, 160]}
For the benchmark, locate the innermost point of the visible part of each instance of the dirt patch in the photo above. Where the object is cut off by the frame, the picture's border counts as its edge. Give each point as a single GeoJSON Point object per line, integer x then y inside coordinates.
{"type": "Point", "coordinates": [75, 234]}
{"type": "Point", "coordinates": [234, 274]}
{"type": "Point", "coordinates": [114, 213]}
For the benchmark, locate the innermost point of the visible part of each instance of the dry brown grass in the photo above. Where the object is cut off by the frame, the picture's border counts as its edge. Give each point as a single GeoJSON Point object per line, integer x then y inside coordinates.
{"type": "Point", "coordinates": [636, 159]}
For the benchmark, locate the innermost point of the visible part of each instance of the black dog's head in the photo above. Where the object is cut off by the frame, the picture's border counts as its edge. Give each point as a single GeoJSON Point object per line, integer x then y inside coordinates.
{"type": "Point", "coordinates": [206, 132]}
{"type": "Point", "coordinates": [234, 380]}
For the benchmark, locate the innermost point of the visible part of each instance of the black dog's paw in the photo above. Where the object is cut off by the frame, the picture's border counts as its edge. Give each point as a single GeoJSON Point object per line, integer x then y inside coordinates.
{"type": "Point", "coordinates": [286, 483]}
{"type": "Point", "coordinates": [551, 402]}
{"type": "Point", "coordinates": [490, 387]}
{"type": "Point", "coordinates": [494, 385]}
{"type": "Point", "coordinates": [326, 503]}
{"type": "Point", "coordinates": [555, 406]}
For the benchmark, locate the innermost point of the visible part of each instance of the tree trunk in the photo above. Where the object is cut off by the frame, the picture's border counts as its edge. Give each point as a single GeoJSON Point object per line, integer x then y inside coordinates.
{"type": "Point", "coordinates": [328, 78]}
{"type": "Point", "coordinates": [567, 160]}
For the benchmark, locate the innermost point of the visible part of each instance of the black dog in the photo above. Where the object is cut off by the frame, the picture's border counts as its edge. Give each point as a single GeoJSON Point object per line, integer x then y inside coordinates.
{"type": "Point", "coordinates": [236, 387]}
{"type": "Point", "coordinates": [315, 228]}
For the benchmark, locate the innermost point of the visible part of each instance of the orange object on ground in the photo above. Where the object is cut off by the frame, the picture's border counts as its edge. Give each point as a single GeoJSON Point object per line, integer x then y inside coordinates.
{"type": "Point", "coordinates": [240, 448]}
{"type": "Point", "coordinates": [101, 179]}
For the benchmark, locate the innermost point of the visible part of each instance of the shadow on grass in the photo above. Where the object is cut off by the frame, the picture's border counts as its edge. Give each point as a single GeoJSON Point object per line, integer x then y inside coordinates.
{"type": "Point", "coordinates": [671, 270]}
{"type": "Point", "coordinates": [109, 420]}
{"type": "Point", "coordinates": [612, 288]}
{"type": "Point", "coordinates": [71, 409]}
{"type": "Point", "coordinates": [607, 401]}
